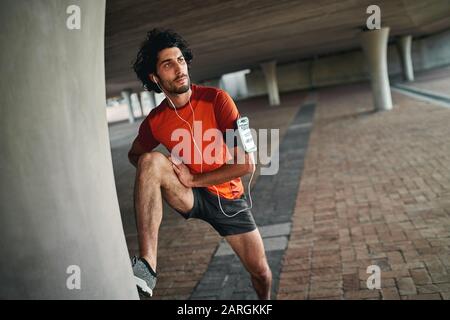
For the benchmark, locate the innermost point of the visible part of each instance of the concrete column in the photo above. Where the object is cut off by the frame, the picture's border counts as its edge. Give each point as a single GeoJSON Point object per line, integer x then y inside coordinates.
{"type": "Point", "coordinates": [235, 84]}
{"type": "Point", "coordinates": [126, 96]}
{"type": "Point", "coordinates": [61, 234]}
{"type": "Point", "coordinates": [147, 102]}
{"type": "Point", "coordinates": [374, 43]}
{"type": "Point", "coordinates": [270, 73]}
{"type": "Point", "coordinates": [404, 50]}
{"type": "Point", "coordinates": [139, 100]}
{"type": "Point", "coordinates": [137, 105]}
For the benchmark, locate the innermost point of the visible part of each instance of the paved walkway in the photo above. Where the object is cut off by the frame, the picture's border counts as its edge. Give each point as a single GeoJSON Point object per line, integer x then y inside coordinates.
{"type": "Point", "coordinates": [355, 188]}
{"type": "Point", "coordinates": [375, 191]}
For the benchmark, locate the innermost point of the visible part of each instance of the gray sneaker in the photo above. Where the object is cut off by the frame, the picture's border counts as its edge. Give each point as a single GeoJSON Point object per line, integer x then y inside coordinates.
{"type": "Point", "coordinates": [144, 276]}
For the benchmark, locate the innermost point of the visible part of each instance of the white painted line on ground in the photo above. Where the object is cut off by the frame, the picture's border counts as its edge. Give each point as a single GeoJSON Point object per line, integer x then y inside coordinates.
{"type": "Point", "coordinates": [274, 238]}
{"type": "Point", "coordinates": [282, 229]}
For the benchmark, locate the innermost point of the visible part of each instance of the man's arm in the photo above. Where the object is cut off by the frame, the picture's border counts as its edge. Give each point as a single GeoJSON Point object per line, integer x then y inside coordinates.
{"type": "Point", "coordinates": [135, 152]}
{"type": "Point", "coordinates": [223, 174]}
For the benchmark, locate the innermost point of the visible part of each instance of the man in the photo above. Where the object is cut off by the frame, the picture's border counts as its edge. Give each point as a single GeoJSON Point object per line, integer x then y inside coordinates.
{"type": "Point", "coordinates": [191, 188]}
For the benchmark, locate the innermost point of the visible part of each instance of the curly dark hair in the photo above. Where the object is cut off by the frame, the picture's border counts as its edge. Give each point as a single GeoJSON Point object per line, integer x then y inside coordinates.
{"type": "Point", "coordinates": [157, 40]}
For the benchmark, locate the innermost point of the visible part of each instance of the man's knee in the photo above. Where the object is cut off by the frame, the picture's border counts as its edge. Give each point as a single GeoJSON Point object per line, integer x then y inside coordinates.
{"type": "Point", "coordinates": [262, 272]}
{"type": "Point", "coordinates": [152, 162]}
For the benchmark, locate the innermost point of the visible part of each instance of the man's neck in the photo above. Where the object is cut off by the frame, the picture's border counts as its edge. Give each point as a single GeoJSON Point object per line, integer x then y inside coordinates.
{"type": "Point", "coordinates": [180, 100]}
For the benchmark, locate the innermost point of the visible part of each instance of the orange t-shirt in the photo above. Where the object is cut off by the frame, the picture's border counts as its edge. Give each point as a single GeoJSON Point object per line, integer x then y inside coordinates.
{"type": "Point", "coordinates": [213, 109]}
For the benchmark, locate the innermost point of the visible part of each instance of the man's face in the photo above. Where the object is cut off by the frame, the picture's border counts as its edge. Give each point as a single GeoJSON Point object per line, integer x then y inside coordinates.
{"type": "Point", "coordinates": [172, 71]}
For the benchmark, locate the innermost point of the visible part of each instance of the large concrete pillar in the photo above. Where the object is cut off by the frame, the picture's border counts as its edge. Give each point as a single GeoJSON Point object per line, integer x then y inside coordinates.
{"type": "Point", "coordinates": [270, 73]}
{"type": "Point", "coordinates": [61, 235]}
{"type": "Point", "coordinates": [374, 43]}
{"type": "Point", "coordinates": [404, 50]}
{"type": "Point", "coordinates": [126, 96]}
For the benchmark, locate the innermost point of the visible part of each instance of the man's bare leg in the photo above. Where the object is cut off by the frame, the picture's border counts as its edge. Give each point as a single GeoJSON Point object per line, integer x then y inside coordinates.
{"type": "Point", "coordinates": [250, 249]}
{"type": "Point", "coordinates": [155, 180]}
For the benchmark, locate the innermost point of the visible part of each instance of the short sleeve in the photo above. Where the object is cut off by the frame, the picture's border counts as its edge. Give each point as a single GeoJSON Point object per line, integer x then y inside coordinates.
{"type": "Point", "coordinates": [145, 136]}
{"type": "Point", "coordinates": [226, 112]}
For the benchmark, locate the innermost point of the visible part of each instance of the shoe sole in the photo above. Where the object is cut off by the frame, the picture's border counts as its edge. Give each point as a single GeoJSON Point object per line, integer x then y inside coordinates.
{"type": "Point", "coordinates": [143, 287]}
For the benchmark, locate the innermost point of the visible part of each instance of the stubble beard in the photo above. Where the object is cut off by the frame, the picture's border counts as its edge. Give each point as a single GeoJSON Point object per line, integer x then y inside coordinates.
{"type": "Point", "coordinates": [182, 89]}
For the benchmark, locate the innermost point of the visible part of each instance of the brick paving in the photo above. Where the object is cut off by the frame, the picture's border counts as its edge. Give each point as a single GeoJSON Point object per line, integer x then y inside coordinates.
{"type": "Point", "coordinates": [375, 190]}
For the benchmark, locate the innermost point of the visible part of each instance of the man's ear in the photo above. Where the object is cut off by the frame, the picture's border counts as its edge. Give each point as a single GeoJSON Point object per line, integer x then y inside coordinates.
{"type": "Point", "coordinates": [153, 77]}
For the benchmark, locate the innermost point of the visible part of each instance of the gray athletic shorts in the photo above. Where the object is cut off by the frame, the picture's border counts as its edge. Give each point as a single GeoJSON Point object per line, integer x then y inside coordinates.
{"type": "Point", "coordinates": [206, 207]}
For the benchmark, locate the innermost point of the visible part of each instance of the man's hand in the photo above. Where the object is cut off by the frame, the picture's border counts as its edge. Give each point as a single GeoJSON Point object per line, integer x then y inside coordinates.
{"type": "Point", "coordinates": [225, 173]}
{"type": "Point", "coordinates": [183, 173]}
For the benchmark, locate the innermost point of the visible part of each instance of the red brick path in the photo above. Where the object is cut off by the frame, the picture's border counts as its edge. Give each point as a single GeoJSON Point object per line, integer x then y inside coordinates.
{"type": "Point", "coordinates": [375, 190]}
